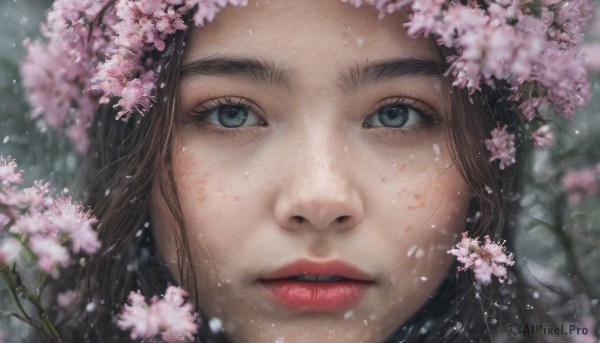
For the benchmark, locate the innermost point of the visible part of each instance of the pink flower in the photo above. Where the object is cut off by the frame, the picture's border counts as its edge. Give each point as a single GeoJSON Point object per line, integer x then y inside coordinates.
{"type": "Point", "coordinates": [502, 147]}
{"type": "Point", "coordinates": [10, 249]}
{"type": "Point", "coordinates": [33, 199]}
{"type": "Point", "coordinates": [487, 260]}
{"type": "Point", "coordinates": [543, 136]}
{"type": "Point", "coordinates": [69, 218]}
{"type": "Point", "coordinates": [178, 318]}
{"type": "Point", "coordinates": [505, 42]}
{"type": "Point", "coordinates": [137, 317]}
{"type": "Point", "coordinates": [65, 299]}
{"type": "Point", "coordinates": [170, 317]}
{"type": "Point", "coordinates": [580, 183]}
{"type": "Point", "coordinates": [529, 107]}
{"type": "Point", "coordinates": [49, 252]}
{"type": "Point", "coordinates": [46, 226]}
{"type": "Point", "coordinates": [33, 224]}
{"type": "Point", "coordinates": [8, 172]}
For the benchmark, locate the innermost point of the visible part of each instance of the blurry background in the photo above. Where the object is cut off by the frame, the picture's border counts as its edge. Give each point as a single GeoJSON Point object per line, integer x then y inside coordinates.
{"type": "Point", "coordinates": [43, 155]}
{"type": "Point", "coordinates": [559, 241]}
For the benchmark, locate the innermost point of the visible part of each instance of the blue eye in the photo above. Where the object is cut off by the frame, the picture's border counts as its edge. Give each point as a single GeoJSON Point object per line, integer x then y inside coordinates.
{"type": "Point", "coordinates": [231, 116]}
{"type": "Point", "coordinates": [394, 116]}
{"type": "Point", "coordinates": [228, 113]}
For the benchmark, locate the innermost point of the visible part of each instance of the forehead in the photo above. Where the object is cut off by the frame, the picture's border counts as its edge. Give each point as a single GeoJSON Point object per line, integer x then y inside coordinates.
{"type": "Point", "coordinates": [324, 32]}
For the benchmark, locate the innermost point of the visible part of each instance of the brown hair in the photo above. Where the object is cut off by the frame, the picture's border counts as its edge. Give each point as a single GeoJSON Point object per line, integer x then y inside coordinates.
{"type": "Point", "coordinates": [125, 158]}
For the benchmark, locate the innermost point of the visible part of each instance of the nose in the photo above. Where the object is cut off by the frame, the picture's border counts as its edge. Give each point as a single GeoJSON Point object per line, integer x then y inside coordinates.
{"type": "Point", "coordinates": [318, 194]}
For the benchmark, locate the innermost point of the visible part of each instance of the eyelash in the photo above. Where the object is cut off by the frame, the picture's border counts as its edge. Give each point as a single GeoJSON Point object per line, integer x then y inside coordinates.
{"type": "Point", "coordinates": [427, 114]}
{"type": "Point", "coordinates": [207, 107]}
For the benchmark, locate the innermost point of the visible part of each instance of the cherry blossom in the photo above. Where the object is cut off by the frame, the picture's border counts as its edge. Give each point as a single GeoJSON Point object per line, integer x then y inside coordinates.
{"type": "Point", "coordinates": [543, 136]}
{"type": "Point", "coordinates": [10, 249]}
{"type": "Point", "coordinates": [171, 317]}
{"type": "Point", "coordinates": [580, 183]}
{"type": "Point", "coordinates": [52, 229]}
{"type": "Point", "coordinates": [487, 260]}
{"type": "Point", "coordinates": [65, 298]}
{"type": "Point", "coordinates": [502, 147]}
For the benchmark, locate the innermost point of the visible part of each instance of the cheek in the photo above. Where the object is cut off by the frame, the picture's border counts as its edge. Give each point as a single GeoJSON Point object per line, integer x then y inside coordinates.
{"type": "Point", "coordinates": [423, 211]}
{"type": "Point", "coordinates": [215, 204]}
{"type": "Point", "coordinates": [423, 192]}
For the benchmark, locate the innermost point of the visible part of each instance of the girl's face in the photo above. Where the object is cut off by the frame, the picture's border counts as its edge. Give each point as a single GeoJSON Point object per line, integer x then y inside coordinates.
{"type": "Point", "coordinates": [315, 181]}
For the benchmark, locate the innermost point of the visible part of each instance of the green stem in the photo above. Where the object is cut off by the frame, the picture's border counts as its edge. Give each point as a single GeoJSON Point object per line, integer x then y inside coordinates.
{"type": "Point", "coordinates": [49, 326]}
{"type": "Point", "coordinates": [13, 314]}
{"type": "Point", "coordinates": [35, 299]}
{"type": "Point", "coordinates": [567, 245]}
{"type": "Point", "coordinates": [13, 294]}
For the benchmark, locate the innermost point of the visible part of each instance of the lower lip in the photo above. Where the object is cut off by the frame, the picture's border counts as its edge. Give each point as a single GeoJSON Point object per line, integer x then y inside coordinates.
{"type": "Point", "coordinates": [317, 296]}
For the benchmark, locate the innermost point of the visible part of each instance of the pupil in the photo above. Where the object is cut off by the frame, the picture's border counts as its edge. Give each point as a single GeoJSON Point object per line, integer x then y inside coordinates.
{"type": "Point", "coordinates": [394, 116]}
{"type": "Point", "coordinates": [232, 116]}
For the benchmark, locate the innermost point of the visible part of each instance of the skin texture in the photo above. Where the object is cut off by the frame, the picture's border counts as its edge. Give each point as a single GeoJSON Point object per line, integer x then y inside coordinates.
{"type": "Point", "coordinates": [388, 201]}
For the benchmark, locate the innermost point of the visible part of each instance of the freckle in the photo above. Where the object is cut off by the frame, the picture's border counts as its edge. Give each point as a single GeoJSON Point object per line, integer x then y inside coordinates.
{"type": "Point", "coordinates": [201, 194]}
{"type": "Point", "coordinates": [420, 204]}
{"type": "Point", "coordinates": [237, 198]}
{"type": "Point", "coordinates": [401, 191]}
{"type": "Point", "coordinates": [198, 185]}
{"type": "Point", "coordinates": [401, 167]}
{"type": "Point", "coordinates": [420, 201]}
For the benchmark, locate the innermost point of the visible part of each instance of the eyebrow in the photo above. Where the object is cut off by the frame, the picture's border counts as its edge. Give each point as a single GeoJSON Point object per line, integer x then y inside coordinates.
{"type": "Point", "coordinates": [250, 68]}
{"type": "Point", "coordinates": [378, 71]}
{"type": "Point", "coordinates": [278, 76]}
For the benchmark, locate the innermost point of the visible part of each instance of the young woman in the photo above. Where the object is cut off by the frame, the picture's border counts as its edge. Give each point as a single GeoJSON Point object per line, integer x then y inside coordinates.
{"type": "Point", "coordinates": [303, 170]}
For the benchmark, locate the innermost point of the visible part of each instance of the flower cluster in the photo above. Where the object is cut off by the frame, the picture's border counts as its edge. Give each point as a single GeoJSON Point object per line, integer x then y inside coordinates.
{"type": "Point", "coordinates": [532, 46]}
{"type": "Point", "coordinates": [99, 49]}
{"type": "Point", "coordinates": [170, 317]}
{"type": "Point", "coordinates": [502, 147]}
{"type": "Point", "coordinates": [93, 50]}
{"type": "Point", "coordinates": [487, 260]}
{"type": "Point", "coordinates": [581, 183]}
{"type": "Point", "coordinates": [50, 229]}
{"type": "Point", "coordinates": [543, 136]}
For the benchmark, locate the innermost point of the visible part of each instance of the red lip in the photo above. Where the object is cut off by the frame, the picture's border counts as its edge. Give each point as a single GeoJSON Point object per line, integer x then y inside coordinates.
{"type": "Point", "coordinates": [340, 294]}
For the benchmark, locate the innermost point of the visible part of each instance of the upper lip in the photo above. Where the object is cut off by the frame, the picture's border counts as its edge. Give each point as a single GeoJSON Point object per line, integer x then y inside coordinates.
{"type": "Point", "coordinates": [329, 268]}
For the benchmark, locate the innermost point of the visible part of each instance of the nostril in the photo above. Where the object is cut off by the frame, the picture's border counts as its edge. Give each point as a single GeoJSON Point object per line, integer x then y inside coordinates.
{"type": "Point", "coordinates": [342, 219]}
{"type": "Point", "coordinates": [298, 219]}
